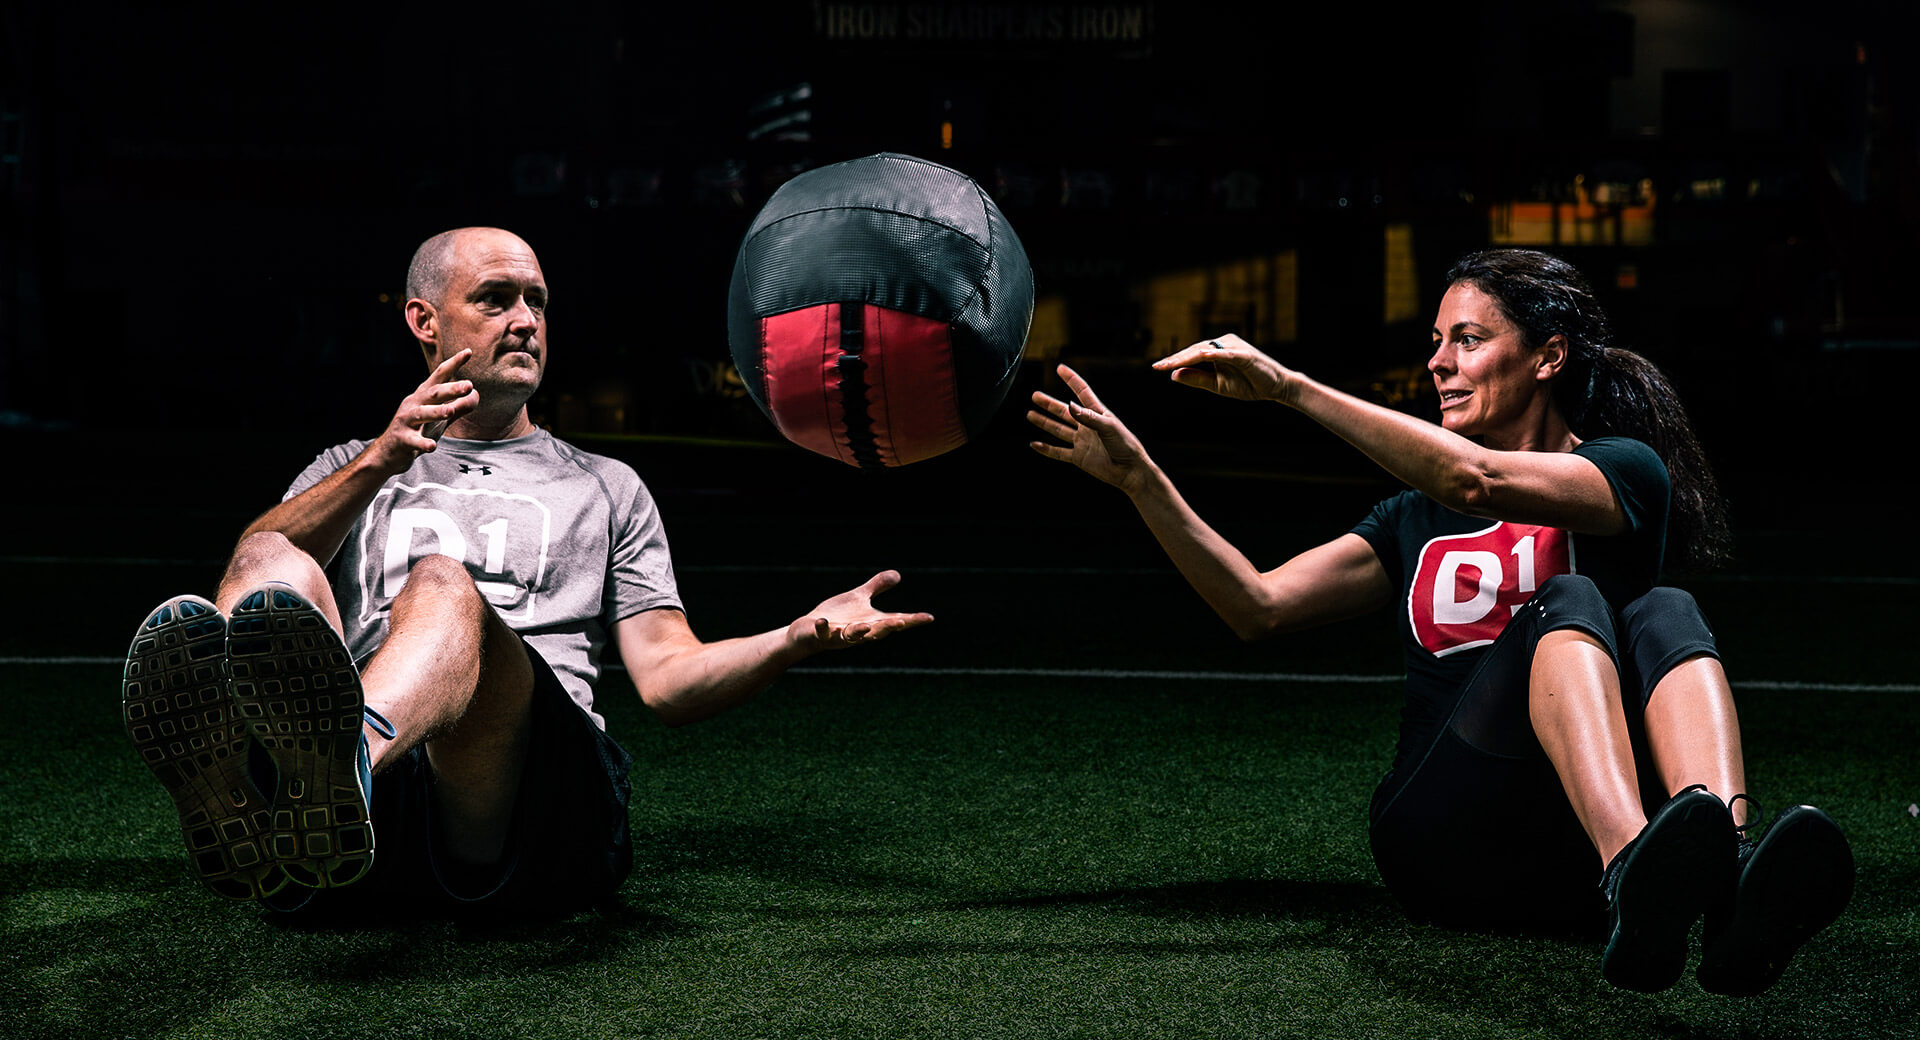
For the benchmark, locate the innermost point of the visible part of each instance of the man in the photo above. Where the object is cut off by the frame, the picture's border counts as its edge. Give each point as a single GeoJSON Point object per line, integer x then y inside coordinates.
{"type": "Point", "coordinates": [482, 566]}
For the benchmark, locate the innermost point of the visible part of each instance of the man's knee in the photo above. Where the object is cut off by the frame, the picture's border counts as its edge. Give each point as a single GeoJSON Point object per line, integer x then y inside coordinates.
{"type": "Point", "coordinates": [439, 578]}
{"type": "Point", "coordinates": [269, 550]}
{"type": "Point", "coordinates": [266, 556]}
{"type": "Point", "coordinates": [441, 587]}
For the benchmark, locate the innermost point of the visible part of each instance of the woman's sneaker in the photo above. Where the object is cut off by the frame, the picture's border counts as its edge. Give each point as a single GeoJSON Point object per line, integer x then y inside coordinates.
{"type": "Point", "coordinates": [1793, 882]}
{"type": "Point", "coordinates": [1660, 884]}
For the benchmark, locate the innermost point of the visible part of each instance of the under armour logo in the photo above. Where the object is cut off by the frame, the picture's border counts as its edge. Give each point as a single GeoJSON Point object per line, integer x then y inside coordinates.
{"type": "Point", "coordinates": [485, 471]}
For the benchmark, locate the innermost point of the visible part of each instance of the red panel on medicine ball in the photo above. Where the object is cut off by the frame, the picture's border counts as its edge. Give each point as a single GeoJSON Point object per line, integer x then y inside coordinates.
{"type": "Point", "coordinates": [836, 391]}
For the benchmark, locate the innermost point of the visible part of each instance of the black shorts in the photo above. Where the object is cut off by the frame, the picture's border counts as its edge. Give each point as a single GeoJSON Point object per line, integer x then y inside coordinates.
{"type": "Point", "coordinates": [569, 847]}
{"type": "Point", "coordinates": [1477, 832]}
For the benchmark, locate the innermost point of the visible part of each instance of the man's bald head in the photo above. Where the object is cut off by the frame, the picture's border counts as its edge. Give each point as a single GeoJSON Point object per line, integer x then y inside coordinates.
{"type": "Point", "coordinates": [433, 262]}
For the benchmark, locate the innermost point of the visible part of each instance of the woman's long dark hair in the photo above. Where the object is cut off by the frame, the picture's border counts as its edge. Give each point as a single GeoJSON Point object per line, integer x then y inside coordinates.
{"type": "Point", "coordinates": [1606, 390]}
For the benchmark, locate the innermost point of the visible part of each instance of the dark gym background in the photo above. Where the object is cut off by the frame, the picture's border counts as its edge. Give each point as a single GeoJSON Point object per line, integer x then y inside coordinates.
{"type": "Point", "coordinates": [1076, 804]}
{"type": "Point", "coordinates": [208, 208]}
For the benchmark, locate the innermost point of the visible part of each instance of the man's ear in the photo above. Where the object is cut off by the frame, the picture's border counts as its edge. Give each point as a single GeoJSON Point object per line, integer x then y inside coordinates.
{"type": "Point", "coordinates": [1552, 358]}
{"type": "Point", "coordinates": [424, 322]}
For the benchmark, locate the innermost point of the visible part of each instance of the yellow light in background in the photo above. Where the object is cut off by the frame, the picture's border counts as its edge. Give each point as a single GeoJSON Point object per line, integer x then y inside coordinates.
{"type": "Point", "coordinates": [1167, 308]}
{"type": "Point", "coordinates": [1049, 330]}
{"type": "Point", "coordinates": [1523, 224]}
{"type": "Point", "coordinates": [946, 133]}
{"type": "Point", "coordinates": [1402, 282]}
{"type": "Point", "coordinates": [1599, 216]}
{"type": "Point", "coordinates": [1256, 297]}
{"type": "Point", "coordinates": [1286, 296]}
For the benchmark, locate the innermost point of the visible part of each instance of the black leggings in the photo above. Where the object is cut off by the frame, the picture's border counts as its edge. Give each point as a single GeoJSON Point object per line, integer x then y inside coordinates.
{"type": "Point", "coordinates": [1477, 832]}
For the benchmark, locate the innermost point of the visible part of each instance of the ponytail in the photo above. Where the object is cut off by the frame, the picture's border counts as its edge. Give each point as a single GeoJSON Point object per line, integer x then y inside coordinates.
{"type": "Point", "coordinates": [1605, 390]}
{"type": "Point", "coordinates": [1628, 396]}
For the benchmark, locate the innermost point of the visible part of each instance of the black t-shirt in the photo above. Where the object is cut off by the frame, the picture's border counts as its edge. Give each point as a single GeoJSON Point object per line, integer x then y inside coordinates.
{"type": "Point", "coordinates": [1462, 577]}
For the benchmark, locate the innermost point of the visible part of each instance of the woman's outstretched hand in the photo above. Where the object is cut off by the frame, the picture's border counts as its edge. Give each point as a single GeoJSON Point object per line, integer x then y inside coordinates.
{"type": "Point", "coordinates": [1091, 436]}
{"type": "Point", "coordinates": [1231, 367]}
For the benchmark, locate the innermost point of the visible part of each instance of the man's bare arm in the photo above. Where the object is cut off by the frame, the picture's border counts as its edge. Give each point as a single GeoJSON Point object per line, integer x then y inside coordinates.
{"type": "Point", "coordinates": [317, 520]}
{"type": "Point", "coordinates": [683, 679]}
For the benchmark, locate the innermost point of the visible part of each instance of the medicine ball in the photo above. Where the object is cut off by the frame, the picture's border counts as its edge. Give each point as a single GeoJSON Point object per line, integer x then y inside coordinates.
{"type": "Point", "coordinates": [878, 309]}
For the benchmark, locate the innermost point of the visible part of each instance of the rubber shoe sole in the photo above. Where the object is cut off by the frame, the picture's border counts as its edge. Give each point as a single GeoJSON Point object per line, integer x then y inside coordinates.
{"type": "Point", "coordinates": [177, 706]}
{"type": "Point", "coordinates": [298, 691]}
{"type": "Point", "coordinates": [1678, 866]}
{"type": "Point", "coordinates": [1797, 882]}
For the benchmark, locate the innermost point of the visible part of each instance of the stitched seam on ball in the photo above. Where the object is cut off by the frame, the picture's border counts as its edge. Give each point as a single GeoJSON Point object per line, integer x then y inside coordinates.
{"type": "Point", "coordinates": [853, 391]}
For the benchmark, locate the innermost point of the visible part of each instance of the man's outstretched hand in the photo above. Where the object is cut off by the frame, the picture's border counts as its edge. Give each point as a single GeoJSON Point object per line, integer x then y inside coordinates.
{"type": "Point", "coordinates": [850, 618]}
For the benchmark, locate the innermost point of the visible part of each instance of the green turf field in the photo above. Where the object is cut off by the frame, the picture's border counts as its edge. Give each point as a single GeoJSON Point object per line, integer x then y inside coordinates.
{"type": "Point", "coordinates": [1073, 807]}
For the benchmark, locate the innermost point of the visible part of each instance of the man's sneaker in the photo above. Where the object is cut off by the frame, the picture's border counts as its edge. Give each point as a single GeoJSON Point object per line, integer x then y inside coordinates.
{"type": "Point", "coordinates": [175, 700]}
{"type": "Point", "coordinates": [296, 688]}
{"type": "Point", "coordinates": [296, 897]}
{"type": "Point", "coordinates": [1792, 883]}
{"type": "Point", "coordinates": [1660, 884]}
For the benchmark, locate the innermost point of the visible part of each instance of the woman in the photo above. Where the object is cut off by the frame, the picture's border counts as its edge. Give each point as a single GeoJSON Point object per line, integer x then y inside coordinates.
{"type": "Point", "coordinates": [1569, 753]}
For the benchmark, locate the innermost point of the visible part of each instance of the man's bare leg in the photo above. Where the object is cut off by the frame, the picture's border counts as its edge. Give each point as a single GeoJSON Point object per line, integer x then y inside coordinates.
{"type": "Point", "coordinates": [266, 557]}
{"type": "Point", "coordinates": [294, 685]}
{"type": "Point", "coordinates": [451, 674]}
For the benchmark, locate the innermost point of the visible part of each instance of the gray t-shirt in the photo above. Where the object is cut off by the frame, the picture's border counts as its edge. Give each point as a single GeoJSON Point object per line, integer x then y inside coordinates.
{"type": "Point", "coordinates": [562, 542]}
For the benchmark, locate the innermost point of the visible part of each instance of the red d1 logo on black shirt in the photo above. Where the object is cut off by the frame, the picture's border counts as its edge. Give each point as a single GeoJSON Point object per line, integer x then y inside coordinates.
{"type": "Point", "coordinates": [1468, 586]}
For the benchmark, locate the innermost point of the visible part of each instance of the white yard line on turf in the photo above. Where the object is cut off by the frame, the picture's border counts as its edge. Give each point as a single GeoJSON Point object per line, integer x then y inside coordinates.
{"type": "Point", "coordinates": [815, 568]}
{"type": "Point", "coordinates": [1124, 673]}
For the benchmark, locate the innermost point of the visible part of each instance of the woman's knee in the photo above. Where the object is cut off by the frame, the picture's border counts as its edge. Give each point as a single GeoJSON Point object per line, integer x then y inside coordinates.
{"type": "Point", "coordinates": [1572, 601]}
{"type": "Point", "coordinates": [1663, 606]}
{"type": "Point", "coordinates": [1661, 630]}
{"type": "Point", "coordinates": [1666, 621]}
{"type": "Point", "coordinates": [1572, 592]}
